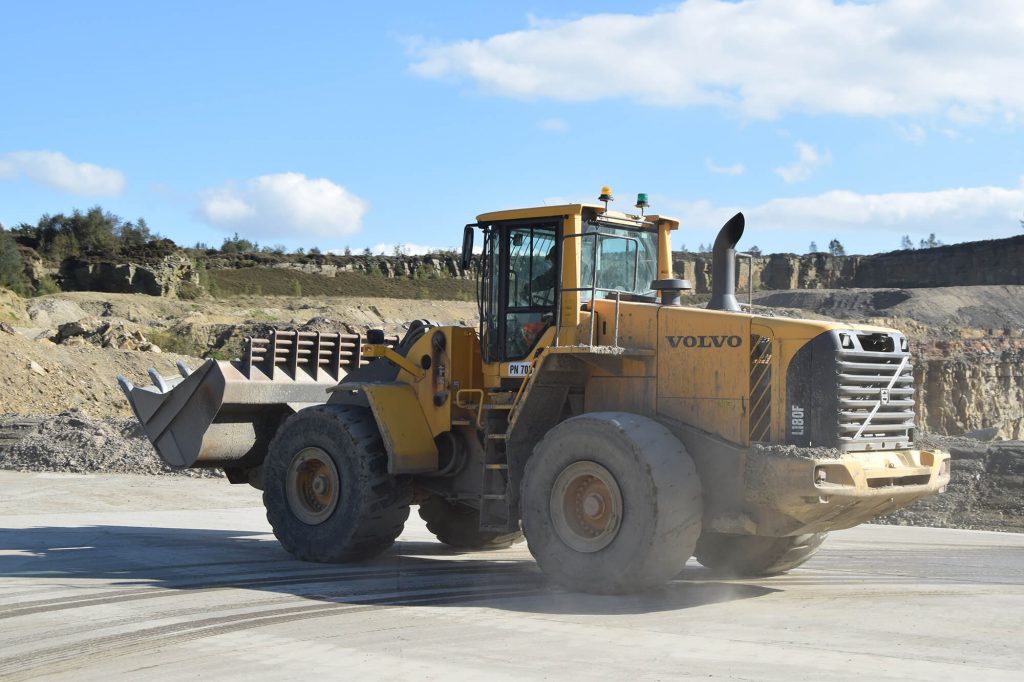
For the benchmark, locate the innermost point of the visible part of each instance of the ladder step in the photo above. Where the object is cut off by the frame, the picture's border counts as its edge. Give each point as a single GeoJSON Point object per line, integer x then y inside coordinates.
{"type": "Point", "coordinates": [497, 436]}
{"type": "Point", "coordinates": [493, 497]}
{"type": "Point", "coordinates": [496, 406]}
{"type": "Point", "coordinates": [497, 467]}
{"type": "Point", "coordinates": [461, 422]}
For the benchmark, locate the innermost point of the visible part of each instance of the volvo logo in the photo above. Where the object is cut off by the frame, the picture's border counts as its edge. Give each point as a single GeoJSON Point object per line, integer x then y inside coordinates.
{"type": "Point", "coordinates": [717, 341]}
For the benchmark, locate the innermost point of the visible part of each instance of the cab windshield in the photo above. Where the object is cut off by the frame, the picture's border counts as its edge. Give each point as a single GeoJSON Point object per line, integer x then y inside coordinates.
{"type": "Point", "coordinates": [617, 258]}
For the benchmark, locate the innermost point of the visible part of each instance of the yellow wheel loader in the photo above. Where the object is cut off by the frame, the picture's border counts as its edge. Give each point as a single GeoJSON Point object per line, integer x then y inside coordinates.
{"type": "Point", "coordinates": [620, 431]}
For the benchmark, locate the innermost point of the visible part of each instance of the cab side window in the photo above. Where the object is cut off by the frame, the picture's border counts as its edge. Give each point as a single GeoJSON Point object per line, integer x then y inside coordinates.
{"type": "Point", "coordinates": [532, 287]}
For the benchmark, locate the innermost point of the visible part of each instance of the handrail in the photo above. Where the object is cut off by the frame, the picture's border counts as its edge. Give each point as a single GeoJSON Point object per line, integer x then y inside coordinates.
{"type": "Point", "coordinates": [469, 406]}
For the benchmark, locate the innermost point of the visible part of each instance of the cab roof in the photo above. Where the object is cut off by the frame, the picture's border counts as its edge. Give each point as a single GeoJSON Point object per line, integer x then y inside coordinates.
{"type": "Point", "coordinates": [567, 210]}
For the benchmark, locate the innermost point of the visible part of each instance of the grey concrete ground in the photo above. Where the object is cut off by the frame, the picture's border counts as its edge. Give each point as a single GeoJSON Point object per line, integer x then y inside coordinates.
{"type": "Point", "coordinates": [161, 578]}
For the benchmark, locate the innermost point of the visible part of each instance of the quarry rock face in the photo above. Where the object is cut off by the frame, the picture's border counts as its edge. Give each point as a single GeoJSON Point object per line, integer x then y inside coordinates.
{"type": "Point", "coordinates": [161, 277]}
{"type": "Point", "coordinates": [439, 265]}
{"type": "Point", "coordinates": [996, 261]}
{"type": "Point", "coordinates": [967, 386]}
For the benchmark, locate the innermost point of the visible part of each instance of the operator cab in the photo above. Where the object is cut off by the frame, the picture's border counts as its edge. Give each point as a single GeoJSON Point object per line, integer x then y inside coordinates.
{"type": "Point", "coordinates": [538, 262]}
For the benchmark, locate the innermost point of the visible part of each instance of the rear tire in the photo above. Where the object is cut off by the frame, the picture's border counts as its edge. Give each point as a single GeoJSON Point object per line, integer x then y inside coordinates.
{"type": "Point", "coordinates": [458, 525]}
{"type": "Point", "coordinates": [752, 556]}
{"type": "Point", "coordinates": [327, 491]}
{"type": "Point", "coordinates": [611, 503]}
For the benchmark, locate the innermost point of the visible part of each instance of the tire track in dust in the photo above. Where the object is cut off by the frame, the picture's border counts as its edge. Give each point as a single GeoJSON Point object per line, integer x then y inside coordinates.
{"type": "Point", "coordinates": [289, 587]}
{"type": "Point", "coordinates": [59, 659]}
{"type": "Point", "coordinates": [165, 590]}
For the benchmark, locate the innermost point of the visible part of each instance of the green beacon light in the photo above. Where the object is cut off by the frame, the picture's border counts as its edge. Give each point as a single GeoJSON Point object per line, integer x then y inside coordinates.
{"type": "Point", "coordinates": [641, 202]}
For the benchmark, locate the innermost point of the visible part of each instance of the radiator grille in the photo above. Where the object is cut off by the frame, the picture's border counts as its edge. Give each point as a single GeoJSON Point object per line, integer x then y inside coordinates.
{"type": "Point", "coordinates": [876, 396]}
{"type": "Point", "coordinates": [760, 388]}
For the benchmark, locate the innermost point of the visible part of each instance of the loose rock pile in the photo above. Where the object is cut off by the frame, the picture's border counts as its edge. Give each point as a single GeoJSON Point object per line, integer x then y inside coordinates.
{"type": "Point", "coordinates": [40, 377]}
{"type": "Point", "coordinates": [985, 492]}
{"type": "Point", "coordinates": [103, 333]}
{"type": "Point", "coordinates": [72, 442]}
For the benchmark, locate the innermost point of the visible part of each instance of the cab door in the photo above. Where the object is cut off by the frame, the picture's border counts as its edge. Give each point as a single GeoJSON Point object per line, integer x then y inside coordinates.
{"type": "Point", "coordinates": [519, 288]}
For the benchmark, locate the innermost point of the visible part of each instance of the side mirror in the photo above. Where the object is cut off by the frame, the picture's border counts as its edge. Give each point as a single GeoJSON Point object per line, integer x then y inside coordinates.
{"type": "Point", "coordinates": [467, 245]}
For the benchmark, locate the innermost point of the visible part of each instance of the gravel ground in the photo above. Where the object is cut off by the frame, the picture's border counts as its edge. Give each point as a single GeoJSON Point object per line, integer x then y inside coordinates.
{"type": "Point", "coordinates": [73, 442]}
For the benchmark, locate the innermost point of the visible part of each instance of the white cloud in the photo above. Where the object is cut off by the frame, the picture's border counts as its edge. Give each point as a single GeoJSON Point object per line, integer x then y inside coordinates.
{"type": "Point", "coordinates": [284, 205]}
{"type": "Point", "coordinates": [762, 57]}
{"type": "Point", "coordinates": [553, 125]}
{"type": "Point", "coordinates": [958, 214]}
{"type": "Point", "coordinates": [912, 133]}
{"type": "Point", "coordinates": [808, 161]}
{"type": "Point", "coordinates": [60, 172]}
{"type": "Point", "coordinates": [735, 169]}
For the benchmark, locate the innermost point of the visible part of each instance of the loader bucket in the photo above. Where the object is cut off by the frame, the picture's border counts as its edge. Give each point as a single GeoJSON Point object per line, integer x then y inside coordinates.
{"type": "Point", "coordinates": [223, 414]}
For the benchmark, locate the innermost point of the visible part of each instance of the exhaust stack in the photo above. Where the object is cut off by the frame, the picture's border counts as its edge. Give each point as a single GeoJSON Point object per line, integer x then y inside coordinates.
{"type": "Point", "coordinates": [723, 266]}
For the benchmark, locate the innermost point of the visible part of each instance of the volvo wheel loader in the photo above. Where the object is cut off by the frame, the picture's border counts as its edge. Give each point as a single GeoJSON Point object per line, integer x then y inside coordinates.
{"type": "Point", "coordinates": [620, 431]}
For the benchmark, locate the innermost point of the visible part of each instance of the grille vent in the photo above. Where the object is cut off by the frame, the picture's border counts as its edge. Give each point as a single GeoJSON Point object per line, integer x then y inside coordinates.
{"type": "Point", "coordinates": [876, 395]}
{"type": "Point", "coordinates": [760, 388]}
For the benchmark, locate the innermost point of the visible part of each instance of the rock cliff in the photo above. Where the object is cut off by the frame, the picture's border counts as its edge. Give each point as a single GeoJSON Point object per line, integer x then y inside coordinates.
{"type": "Point", "coordinates": [164, 276]}
{"type": "Point", "coordinates": [972, 385]}
{"type": "Point", "coordinates": [329, 265]}
{"type": "Point", "coordinates": [996, 261]}
{"type": "Point", "coordinates": [999, 261]}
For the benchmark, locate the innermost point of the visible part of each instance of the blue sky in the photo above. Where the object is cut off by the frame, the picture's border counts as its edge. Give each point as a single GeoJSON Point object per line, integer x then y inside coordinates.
{"type": "Point", "coordinates": [334, 124]}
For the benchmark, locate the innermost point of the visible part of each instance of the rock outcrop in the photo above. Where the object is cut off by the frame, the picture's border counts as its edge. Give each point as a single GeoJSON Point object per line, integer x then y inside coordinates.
{"type": "Point", "coordinates": [999, 261]}
{"type": "Point", "coordinates": [996, 261]}
{"type": "Point", "coordinates": [117, 334]}
{"type": "Point", "coordinates": [329, 265]}
{"type": "Point", "coordinates": [164, 276]}
{"type": "Point", "coordinates": [972, 385]}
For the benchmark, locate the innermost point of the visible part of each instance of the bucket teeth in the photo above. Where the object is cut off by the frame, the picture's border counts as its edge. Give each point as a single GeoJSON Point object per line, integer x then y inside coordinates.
{"type": "Point", "coordinates": [183, 369]}
{"type": "Point", "coordinates": [125, 385]}
{"type": "Point", "coordinates": [158, 381]}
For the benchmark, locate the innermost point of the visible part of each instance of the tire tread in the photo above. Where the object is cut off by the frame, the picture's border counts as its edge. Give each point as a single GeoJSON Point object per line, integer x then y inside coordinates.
{"type": "Point", "coordinates": [385, 509]}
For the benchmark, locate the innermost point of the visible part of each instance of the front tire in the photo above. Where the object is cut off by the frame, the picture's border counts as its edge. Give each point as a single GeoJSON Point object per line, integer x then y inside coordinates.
{"type": "Point", "coordinates": [751, 556]}
{"type": "Point", "coordinates": [611, 503]}
{"type": "Point", "coordinates": [327, 491]}
{"type": "Point", "coordinates": [458, 525]}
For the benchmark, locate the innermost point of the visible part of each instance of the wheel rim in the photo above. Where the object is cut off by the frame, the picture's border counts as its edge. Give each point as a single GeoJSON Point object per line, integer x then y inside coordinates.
{"type": "Point", "coordinates": [313, 486]}
{"type": "Point", "coordinates": [586, 506]}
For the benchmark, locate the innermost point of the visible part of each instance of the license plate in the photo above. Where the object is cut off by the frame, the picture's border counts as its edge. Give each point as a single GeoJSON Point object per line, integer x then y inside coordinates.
{"type": "Point", "coordinates": [520, 369]}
